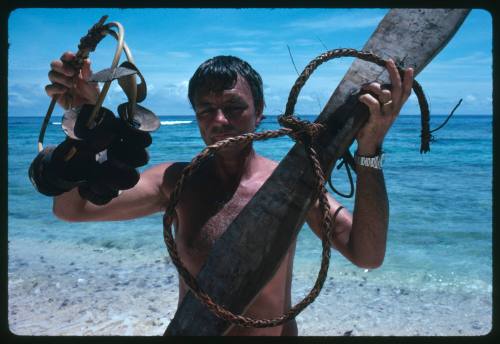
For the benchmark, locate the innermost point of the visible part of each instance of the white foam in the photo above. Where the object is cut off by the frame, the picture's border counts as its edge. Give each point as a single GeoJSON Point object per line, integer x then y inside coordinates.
{"type": "Point", "coordinates": [56, 123]}
{"type": "Point", "coordinates": [175, 122]}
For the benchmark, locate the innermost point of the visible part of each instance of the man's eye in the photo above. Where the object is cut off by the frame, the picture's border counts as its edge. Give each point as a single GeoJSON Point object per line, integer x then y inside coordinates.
{"type": "Point", "coordinates": [204, 112]}
{"type": "Point", "coordinates": [234, 110]}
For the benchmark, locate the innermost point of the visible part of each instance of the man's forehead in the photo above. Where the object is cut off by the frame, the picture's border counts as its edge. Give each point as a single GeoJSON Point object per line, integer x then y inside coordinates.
{"type": "Point", "coordinates": [225, 96]}
{"type": "Point", "coordinates": [238, 93]}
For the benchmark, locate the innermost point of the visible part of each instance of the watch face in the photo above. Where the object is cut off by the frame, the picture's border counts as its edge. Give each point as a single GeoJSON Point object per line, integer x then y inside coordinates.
{"type": "Point", "coordinates": [373, 162]}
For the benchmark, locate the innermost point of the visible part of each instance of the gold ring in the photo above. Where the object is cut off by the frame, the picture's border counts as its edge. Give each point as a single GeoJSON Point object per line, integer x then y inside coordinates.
{"type": "Point", "coordinates": [386, 103]}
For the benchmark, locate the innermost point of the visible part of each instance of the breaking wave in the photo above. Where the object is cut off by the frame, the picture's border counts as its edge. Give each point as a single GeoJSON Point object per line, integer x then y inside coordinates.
{"type": "Point", "coordinates": [175, 122]}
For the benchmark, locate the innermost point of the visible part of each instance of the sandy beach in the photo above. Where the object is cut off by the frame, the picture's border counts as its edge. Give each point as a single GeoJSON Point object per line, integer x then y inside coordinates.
{"type": "Point", "coordinates": [115, 278]}
{"type": "Point", "coordinates": [83, 290]}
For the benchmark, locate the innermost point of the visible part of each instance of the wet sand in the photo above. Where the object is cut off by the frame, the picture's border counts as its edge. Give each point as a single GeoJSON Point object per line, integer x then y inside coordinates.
{"type": "Point", "coordinates": [56, 289]}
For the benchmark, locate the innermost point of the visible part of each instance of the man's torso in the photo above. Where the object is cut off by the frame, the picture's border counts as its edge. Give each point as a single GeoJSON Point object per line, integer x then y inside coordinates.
{"type": "Point", "coordinates": [205, 210]}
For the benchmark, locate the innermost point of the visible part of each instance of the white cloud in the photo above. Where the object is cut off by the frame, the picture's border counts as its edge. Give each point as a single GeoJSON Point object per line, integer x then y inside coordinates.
{"type": "Point", "coordinates": [238, 32]}
{"type": "Point", "coordinates": [18, 99]}
{"type": "Point", "coordinates": [226, 50]}
{"type": "Point", "coordinates": [275, 98]}
{"type": "Point", "coordinates": [470, 98]}
{"type": "Point", "coordinates": [473, 67]}
{"type": "Point", "coordinates": [178, 54]}
{"type": "Point", "coordinates": [142, 53]}
{"type": "Point", "coordinates": [177, 90]}
{"type": "Point", "coordinates": [27, 94]}
{"type": "Point", "coordinates": [306, 98]}
{"type": "Point", "coordinates": [474, 58]}
{"type": "Point", "coordinates": [352, 20]}
{"type": "Point", "coordinates": [242, 50]}
{"type": "Point", "coordinates": [305, 42]}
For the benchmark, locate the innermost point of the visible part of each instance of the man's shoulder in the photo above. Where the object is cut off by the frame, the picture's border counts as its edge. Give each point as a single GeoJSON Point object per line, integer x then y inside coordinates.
{"type": "Point", "coordinates": [161, 167]}
{"type": "Point", "coordinates": [164, 171]}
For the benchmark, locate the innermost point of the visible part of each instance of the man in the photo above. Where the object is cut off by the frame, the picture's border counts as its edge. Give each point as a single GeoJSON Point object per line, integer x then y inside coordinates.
{"type": "Point", "coordinates": [226, 94]}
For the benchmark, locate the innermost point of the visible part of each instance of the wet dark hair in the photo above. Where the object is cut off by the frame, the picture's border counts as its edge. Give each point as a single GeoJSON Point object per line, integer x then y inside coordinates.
{"type": "Point", "coordinates": [220, 73]}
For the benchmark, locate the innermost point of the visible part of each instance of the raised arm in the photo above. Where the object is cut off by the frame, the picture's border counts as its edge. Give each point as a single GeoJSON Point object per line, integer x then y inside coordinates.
{"type": "Point", "coordinates": [362, 236]}
{"type": "Point", "coordinates": [148, 196]}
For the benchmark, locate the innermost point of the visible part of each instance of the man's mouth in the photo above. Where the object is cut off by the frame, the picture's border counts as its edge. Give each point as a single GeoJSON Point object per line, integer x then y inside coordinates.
{"type": "Point", "coordinates": [221, 136]}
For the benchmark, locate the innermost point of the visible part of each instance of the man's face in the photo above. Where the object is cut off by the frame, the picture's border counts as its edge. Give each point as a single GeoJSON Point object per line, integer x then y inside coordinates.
{"type": "Point", "coordinates": [228, 113]}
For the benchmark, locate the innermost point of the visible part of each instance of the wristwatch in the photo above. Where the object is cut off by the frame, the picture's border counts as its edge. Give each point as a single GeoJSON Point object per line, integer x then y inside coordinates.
{"type": "Point", "coordinates": [373, 162]}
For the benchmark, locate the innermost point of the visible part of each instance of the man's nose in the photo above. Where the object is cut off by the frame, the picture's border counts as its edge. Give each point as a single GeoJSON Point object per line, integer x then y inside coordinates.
{"type": "Point", "coordinates": [220, 117]}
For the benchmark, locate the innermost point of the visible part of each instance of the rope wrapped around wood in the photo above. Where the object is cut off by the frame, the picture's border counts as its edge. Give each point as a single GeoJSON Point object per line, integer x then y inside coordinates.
{"type": "Point", "coordinates": [305, 133]}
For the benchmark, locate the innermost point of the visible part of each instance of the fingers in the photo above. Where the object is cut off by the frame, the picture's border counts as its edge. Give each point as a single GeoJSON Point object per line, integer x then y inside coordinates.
{"type": "Point", "coordinates": [394, 91]}
{"type": "Point", "coordinates": [55, 89]}
{"type": "Point", "coordinates": [407, 83]}
{"type": "Point", "coordinates": [86, 71]}
{"type": "Point", "coordinates": [68, 70]}
{"type": "Point", "coordinates": [383, 94]}
{"type": "Point", "coordinates": [68, 56]}
{"type": "Point", "coordinates": [61, 75]}
{"type": "Point", "coordinates": [372, 103]}
{"type": "Point", "coordinates": [384, 103]}
{"type": "Point", "coordinates": [399, 90]}
{"type": "Point", "coordinates": [64, 77]}
{"type": "Point", "coordinates": [62, 66]}
{"type": "Point", "coordinates": [395, 81]}
{"type": "Point", "coordinates": [61, 79]}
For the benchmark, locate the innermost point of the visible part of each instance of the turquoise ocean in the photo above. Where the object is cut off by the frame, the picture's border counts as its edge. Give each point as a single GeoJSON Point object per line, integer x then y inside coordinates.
{"type": "Point", "coordinates": [440, 231]}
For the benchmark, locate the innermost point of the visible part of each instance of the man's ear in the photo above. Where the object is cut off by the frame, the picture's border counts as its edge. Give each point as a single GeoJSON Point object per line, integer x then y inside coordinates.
{"type": "Point", "coordinates": [259, 119]}
{"type": "Point", "coordinates": [259, 116]}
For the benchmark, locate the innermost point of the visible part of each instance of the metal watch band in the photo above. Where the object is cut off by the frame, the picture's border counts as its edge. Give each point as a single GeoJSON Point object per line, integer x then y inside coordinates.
{"type": "Point", "coordinates": [373, 162]}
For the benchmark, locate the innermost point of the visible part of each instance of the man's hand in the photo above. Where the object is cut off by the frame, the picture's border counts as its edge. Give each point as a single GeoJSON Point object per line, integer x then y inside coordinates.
{"type": "Point", "coordinates": [72, 86]}
{"type": "Point", "coordinates": [384, 109]}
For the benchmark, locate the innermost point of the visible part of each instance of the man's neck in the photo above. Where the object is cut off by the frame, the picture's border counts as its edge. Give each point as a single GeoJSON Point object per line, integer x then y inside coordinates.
{"type": "Point", "coordinates": [231, 167]}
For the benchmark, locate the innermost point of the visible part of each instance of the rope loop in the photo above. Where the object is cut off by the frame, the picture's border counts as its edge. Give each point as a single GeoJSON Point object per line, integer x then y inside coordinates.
{"type": "Point", "coordinates": [301, 131]}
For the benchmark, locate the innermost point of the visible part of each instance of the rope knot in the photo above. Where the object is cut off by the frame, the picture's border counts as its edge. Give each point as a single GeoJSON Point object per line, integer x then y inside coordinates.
{"type": "Point", "coordinates": [301, 130]}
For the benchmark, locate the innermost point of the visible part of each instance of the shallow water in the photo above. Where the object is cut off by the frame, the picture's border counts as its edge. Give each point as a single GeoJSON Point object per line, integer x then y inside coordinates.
{"type": "Point", "coordinates": [436, 278]}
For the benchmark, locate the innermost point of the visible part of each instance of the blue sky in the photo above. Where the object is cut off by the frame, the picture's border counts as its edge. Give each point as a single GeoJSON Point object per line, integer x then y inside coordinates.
{"type": "Point", "coordinates": [169, 44]}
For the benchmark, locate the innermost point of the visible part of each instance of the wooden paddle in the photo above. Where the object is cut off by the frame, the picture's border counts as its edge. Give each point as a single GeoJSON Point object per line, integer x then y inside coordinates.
{"type": "Point", "coordinates": [247, 255]}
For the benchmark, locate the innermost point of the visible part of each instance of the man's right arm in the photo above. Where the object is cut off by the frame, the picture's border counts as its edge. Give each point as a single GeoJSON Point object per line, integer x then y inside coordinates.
{"type": "Point", "coordinates": [148, 196]}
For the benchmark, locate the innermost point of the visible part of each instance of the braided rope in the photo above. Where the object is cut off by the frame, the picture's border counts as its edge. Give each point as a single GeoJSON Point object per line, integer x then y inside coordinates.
{"type": "Point", "coordinates": [299, 130]}
{"type": "Point", "coordinates": [89, 42]}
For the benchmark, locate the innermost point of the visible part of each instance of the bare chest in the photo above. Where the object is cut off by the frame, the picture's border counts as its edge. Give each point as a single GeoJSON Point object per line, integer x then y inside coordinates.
{"type": "Point", "coordinates": [203, 217]}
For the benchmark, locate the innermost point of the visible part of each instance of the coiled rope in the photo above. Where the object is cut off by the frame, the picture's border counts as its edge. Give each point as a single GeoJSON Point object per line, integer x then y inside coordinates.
{"type": "Point", "coordinates": [303, 132]}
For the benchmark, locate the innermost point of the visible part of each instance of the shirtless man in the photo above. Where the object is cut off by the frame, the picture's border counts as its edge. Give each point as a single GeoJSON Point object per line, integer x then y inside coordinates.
{"type": "Point", "coordinates": [226, 94]}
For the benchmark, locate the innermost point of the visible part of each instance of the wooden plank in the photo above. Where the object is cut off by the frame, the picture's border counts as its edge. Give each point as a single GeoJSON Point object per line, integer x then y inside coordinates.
{"type": "Point", "coordinates": [247, 255]}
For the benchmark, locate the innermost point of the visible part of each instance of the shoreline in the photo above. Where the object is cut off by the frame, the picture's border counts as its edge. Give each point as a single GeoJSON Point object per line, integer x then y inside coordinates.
{"type": "Point", "coordinates": [97, 291]}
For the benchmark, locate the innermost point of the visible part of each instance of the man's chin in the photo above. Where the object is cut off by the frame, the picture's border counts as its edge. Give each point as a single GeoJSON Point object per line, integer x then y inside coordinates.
{"type": "Point", "coordinates": [234, 149]}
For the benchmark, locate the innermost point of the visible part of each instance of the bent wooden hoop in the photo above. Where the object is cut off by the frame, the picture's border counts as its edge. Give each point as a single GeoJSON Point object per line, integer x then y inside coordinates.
{"type": "Point", "coordinates": [121, 46]}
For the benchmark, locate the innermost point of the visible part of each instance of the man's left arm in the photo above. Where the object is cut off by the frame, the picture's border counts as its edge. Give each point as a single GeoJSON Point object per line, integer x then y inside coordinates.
{"type": "Point", "coordinates": [362, 236]}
